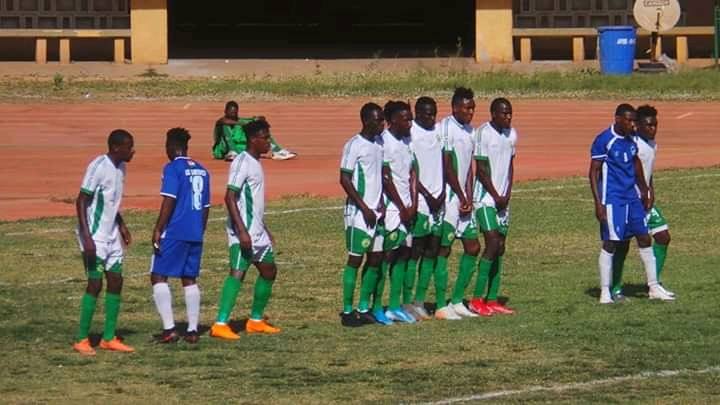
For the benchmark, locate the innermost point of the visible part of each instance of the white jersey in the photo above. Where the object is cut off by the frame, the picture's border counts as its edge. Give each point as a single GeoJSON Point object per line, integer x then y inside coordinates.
{"type": "Point", "coordinates": [427, 147]}
{"type": "Point", "coordinates": [399, 158]}
{"type": "Point", "coordinates": [459, 143]}
{"type": "Point", "coordinates": [363, 159]}
{"type": "Point", "coordinates": [104, 182]}
{"type": "Point", "coordinates": [248, 180]}
{"type": "Point", "coordinates": [497, 149]}
{"type": "Point", "coordinates": [646, 153]}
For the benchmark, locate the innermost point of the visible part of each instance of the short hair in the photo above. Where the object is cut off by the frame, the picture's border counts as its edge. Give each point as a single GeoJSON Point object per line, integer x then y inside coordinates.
{"type": "Point", "coordinates": [394, 107]}
{"type": "Point", "coordinates": [117, 137]}
{"type": "Point", "coordinates": [460, 94]}
{"type": "Point", "coordinates": [178, 137]}
{"type": "Point", "coordinates": [231, 103]}
{"type": "Point", "coordinates": [253, 128]}
{"type": "Point", "coordinates": [624, 108]}
{"type": "Point", "coordinates": [495, 104]}
{"type": "Point", "coordinates": [368, 109]}
{"type": "Point", "coordinates": [646, 111]}
{"type": "Point", "coordinates": [425, 100]}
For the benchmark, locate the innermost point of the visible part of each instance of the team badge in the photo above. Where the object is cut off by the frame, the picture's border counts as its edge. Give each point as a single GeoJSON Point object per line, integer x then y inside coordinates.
{"type": "Point", "coordinates": [450, 237]}
{"type": "Point", "coordinates": [393, 236]}
{"type": "Point", "coordinates": [365, 243]}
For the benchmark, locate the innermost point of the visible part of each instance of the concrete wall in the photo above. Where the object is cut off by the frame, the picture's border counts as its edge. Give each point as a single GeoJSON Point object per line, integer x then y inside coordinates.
{"type": "Point", "coordinates": [493, 31]}
{"type": "Point", "coordinates": [149, 31]}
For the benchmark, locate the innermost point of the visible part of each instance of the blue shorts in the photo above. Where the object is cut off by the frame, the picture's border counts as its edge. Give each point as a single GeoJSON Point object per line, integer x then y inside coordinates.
{"type": "Point", "coordinates": [624, 221]}
{"type": "Point", "coordinates": [177, 258]}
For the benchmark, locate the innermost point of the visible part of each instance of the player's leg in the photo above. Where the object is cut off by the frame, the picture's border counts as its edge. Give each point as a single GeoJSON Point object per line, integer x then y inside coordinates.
{"type": "Point", "coordinates": [419, 239]}
{"type": "Point", "coordinates": [240, 260]}
{"type": "Point", "coordinates": [397, 274]}
{"type": "Point", "coordinates": [443, 310]}
{"type": "Point", "coordinates": [486, 218]}
{"type": "Point", "coordinates": [192, 290]}
{"type": "Point", "coordinates": [371, 280]}
{"type": "Point", "coordinates": [265, 263]}
{"type": "Point", "coordinates": [94, 268]}
{"type": "Point", "coordinates": [612, 232]}
{"type": "Point", "coordinates": [168, 262]}
{"type": "Point", "coordinates": [468, 260]}
{"type": "Point", "coordinates": [387, 245]}
{"type": "Point", "coordinates": [491, 299]}
{"type": "Point", "coordinates": [618, 263]}
{"type": "Point", "coordinates": [661, 239]}
{"type": "Point", "coordinates": [114, 280]}
{"type": "Point", "coordinates": [278, 152]}
{"type": "Point", "coordinates": [357, 243]}
{"type": "Point", "coordinates": [637, 227]}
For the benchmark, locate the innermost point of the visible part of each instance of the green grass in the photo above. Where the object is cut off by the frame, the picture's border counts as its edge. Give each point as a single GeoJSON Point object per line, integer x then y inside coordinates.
{"type": "Point", "coordinates": [686, 85]}
{"type": "Point", "coordinates": [559, 336]}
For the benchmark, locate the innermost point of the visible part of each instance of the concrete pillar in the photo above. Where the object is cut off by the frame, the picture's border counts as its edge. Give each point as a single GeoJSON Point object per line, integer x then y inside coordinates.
{"type": "Point", "coordinates": [525, 50]}
{"type": "Point", "coordinates": [149, 31]}
{"type": "Point", "coordinates": [41, 50]}
{"type": "Point", "coordinates": [119, 50]}
{"type": "Point", "coordinates": [64, 51]}
{"type": "Point", "coordinates": [681, 49]}
{"type": "Point", "coordinates": [578, 49]}
{"type": "Point", "coordinates": [493, 31]}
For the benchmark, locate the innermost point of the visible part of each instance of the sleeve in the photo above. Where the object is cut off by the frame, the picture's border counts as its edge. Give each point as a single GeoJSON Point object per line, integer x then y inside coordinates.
{"type": "Point", "coordinates": [170, 182]}
{"type": "Point", "coordinates": [387, 156]}
{"type": "Point", "coordinates": [480, 149]}
{"type": "Point", "coordinates": [598, 150]}
{"type": "Point", "coordinates": [514, 142]}
{"type": "Point", "coordinates": [206, 191]}
{"type": "Point", "coordinates": [92, 177]}
{"type": "Point", "coordinates": [238, 174]}
{"type": "Point", "coordinates": [445, 136]}
{"type": "Point", "coordinates": [349, 158]}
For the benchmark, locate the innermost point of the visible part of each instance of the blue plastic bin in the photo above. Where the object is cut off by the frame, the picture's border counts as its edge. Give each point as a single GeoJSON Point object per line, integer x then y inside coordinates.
{"type": "Point", "coordinates": [617, 49]}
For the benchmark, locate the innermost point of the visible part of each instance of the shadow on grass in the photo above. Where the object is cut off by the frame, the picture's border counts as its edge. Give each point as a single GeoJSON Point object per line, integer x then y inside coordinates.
{"type": "Point", "coordinates": [629, 290]}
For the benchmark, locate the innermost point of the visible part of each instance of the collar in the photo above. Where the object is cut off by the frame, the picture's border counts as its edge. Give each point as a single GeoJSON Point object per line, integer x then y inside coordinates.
{"type": "Point", "coordinates": [612, 131]}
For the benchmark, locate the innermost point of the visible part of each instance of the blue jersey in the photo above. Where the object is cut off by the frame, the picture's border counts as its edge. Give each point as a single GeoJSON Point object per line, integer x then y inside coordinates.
{"type": "Point", "coordinates": [618, 178]}
{"type": "Point", "coordinates": [188, 183]}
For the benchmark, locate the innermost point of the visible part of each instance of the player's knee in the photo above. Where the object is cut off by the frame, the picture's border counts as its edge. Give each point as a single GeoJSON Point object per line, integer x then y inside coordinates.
{"type": "Point", "coordinates": [354, 261]}
{"type": "Point", "coordinates": [237, 274]}
{"type": "Point", "coordinates": [269, 273]}
{"type": "Point", "coordinates": [114, 283]}
{"type": "Point", "coordinates": [374, 259]}
{"type": "Point", "coordinates": [94, 287]}
{"type": "Point", "coordinates": [609, 246]}
{"type": "Point", "coordinates": [662, 238]}
{"type": "Point", "coordinates": [473, 249]}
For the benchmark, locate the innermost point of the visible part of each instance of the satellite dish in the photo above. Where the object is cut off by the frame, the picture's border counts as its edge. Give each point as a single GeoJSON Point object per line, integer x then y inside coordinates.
{"type": "Point", "coordinates": [656, 16]}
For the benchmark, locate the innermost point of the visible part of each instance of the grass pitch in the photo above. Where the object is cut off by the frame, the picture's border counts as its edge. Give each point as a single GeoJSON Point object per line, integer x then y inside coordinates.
{"type": "Point", "coordinates": [560, 338]}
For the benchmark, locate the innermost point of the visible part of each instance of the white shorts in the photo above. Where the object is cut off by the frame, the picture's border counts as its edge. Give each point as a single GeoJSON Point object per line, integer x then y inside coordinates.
{"type": "Point", "coordinates": [110, 252]}
{"type": "Point", "coordinates": [360, 238]}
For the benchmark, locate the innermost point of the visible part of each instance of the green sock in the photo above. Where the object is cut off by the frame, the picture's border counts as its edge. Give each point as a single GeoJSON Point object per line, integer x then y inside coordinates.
{"type": "Point", "coordinates": [397, 277]}
{"type": "Point", "coordinates": [441, 280]}
{"type": "Point", "coordinates": [409, 281]}
{"type": "Point", "coordinates": [427, 266]}
{"type": "Point", "coordinates": [467, 267]}
{"type": "Point", "coordinates": [112, 309]}
{"type": "Point", "coordinates": [484, 268]}
{"type": "Point", "coordinates": [228, 296]}
{"type": "Point", "coordinates": [380, 287]}
{"type": "Point", "coordinates": [660, 252]}
{"type": "Point", "coordinates": [87, 310]}
{"type": "Point", "coordinates": [494, 282]}
{"type": "Point", "coordinates": [621, 252]}
{"type": "Point", "coordinates": [367, 287]}
{"type": "Point", "coordinates": [349, 278]}
{"type": "Point", "coordinates": [263, 290]}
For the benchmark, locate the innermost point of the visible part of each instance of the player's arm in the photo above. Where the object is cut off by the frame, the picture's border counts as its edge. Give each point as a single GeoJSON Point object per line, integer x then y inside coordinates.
{"type": "Point", "coordinates": [231, 197]}
{"type": "Point", "coordinates": [81, 204]}
{"type": "Point", "coordinates": [392, 193]}
{"type": "Point", "coordinates": [124, 231]}
{"type": "Point", "coordinates": [166, 209]}
{"type": "Point", "coordinates": [354, 196]}
{"type": "Point", "coordinates": [452, 179]}
{"type": "Point", "coordinates": [413, 192]}
{"type": "Point", "coordinates": [646, 193]}
{"type": "Point", "coordinates": [594, 176]}
{"type": "Point", "coordinates": [469, 184]}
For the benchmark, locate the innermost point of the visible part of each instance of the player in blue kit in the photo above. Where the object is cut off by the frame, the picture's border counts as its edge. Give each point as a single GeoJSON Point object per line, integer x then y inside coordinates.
{"type": "Point", "coordinates": [616, 178]}
{"type": "Point", "coordinates": [178, 235]}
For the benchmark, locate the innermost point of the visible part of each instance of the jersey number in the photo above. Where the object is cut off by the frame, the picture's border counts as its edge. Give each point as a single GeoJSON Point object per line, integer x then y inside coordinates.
{"type": "Point", "coordinates": [197, 186]}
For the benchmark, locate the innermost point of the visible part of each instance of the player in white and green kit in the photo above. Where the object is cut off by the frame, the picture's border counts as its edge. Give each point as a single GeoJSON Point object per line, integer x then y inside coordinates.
{"type": "Point", "coordinates": [101, 233]}
{"type": "Point", "coordinates": [361, 179]}
{"type": "Point", "coordinates": [427, 146]}
{"type": "Point", "coordinates": [400, 188]}
{"type": "Point", "coordinates": [457, 219]}
{"type": "Point", "coordinates": [494, 154]}
{"type": "Point", "coordinates": [646, 126]}
{"type": "Point", "coordinates": [249, 240]}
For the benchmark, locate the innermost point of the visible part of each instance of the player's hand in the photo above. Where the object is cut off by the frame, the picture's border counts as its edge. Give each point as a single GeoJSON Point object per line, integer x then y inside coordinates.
{"type": "Point", "coordinates": [369, 217]}
{"type": "Point", "coordinates": [125, 233]}
{"type": "Point", "coordinates": [157, 236]}
{"type": "Point", "coordinates": [600, 213]}
{"type": "Point", "coordinates": [404, 215]}
{"type": "Point", "coordinates": [89, 252]}
{"type": "Point", "coordinates": [245, 241]}
{"type": "Point", "coordinates": [501, 203]}
{"type": "Point", "coordinates": [465, 207]}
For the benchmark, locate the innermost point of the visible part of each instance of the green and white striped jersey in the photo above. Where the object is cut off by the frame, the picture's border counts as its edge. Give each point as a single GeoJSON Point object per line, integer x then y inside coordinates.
{"type": "Point", "coordinates": [497, 150]}
{"type": "Point", "coordinates": [248, 180]}
{"type": "Point", "coordinates": [459, 143]}
{"type": "Point", "coordinates": [427, 146]}
{"type": "Point", "coordinates": [104, 182]}
{"type": "Point", "coordinates": [646, 153]}
{"type": "Point", "coordinates": [363, 159]}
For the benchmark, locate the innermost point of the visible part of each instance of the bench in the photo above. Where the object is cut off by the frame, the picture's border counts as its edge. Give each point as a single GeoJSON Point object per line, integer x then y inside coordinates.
{"type": "Point", "coordinates": [578, 36]}
{"type": "Point", "coordinates": [41, 36]}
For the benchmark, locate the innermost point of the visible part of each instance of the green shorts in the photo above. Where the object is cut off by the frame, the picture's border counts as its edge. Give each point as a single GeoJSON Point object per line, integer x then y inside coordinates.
{"type": "Point", "coordinates": [359, 242]}
{"type": "Point", "coordinates": [394, 239]}
{"type": "Point", "coordinates": [241, 259]}
{"type": "Point", "coordinates": [448, 234]}
{"type": "Point", "coordinates": [656, 221]}
{"type": "Point", "coordinates": [96, 272]}
{"type": "Point", "coordinates": [425, 225]}
{"type": "Point", "coordinates": [489, 220]}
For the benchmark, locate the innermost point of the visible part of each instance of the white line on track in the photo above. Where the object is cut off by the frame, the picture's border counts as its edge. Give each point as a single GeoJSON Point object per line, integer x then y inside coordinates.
{"type": "Point", "coordinates": [681, 116]}
{"type": "Point", "coordinates": [576, 386]}
{"type": "Point", "coordinates": [338, 207]}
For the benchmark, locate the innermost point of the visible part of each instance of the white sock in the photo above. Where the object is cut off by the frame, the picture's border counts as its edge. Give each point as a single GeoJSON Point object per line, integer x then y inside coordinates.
{"type": "Point", "coordinates": [648, 258]}
{"type": "Point", "coordinates": [192, 303]}
{"type": "Point", "coordinates": [163, 303]}
{"type": "Point", "coordinates": [605, 265]}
